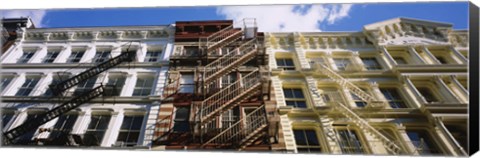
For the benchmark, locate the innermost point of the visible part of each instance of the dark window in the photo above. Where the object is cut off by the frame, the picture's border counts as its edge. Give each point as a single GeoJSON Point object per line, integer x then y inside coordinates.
{"type": "Point", "coordinates": [441, 59]}
{"type": "Point", "coordinates": [349, 141]}
{"type": "Point", "coordinates": [422, 142]}
{"type": "Point", "coordinates": [400, 60]}
{"type": "Point", "coordinates": [294, 98]}
{"type": "Point", "coordinates": [427, 94]}
{"type": "Point", "coordinates": [101, 56]}
{"type": "Point", "coordinates": [27, 137]}
{"type": "Point", "coordinates": [27, 87]}
{"type": "Point", "coordinates": [229, 117]}
{"type": "Point", "coordinates": [130, 130]}
{"type": "Point", "coordinates": [115, 84]}
{"type": "Point", "coordinates": [143, 87]}
{"type": "Point", "coordinates": [181, 120]}
{"type": "Point", "coordinates": [97, 128]}
{"type": "Point", "coordinates": [285, 64]}
{"type": "Point", "coordinates": [371, 64]}
{"type": "Point", "coordinates": [5, 80]}
{"type": "Point", "coordinates": [75, 56]}
{"type": "Point", "coordinates": [152, 56]}
{"type": "Point", "coordinates": [51, 56]}
{"type": "Point", "coordinates": [85, 86]}
{"type": "Point", "coordinates": [393, 97]}
{"type": "Point", "coordinates": [26, 56]}
{"type": "Point", "coordinates": [64, 125]}
{"type": "Point", "coordinates": [307, 141]}
{"type": "Point", "coordinates": [6, 117]}
{"type": "Point", "coordinates": [342, 63]}
{"type": "Point", "coordinates": [358, 101]}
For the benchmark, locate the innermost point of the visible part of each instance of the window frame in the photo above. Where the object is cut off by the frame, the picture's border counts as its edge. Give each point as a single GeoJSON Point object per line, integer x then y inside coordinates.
{"type": "Point", "coordinates": [342, 66]}
{"type": "Point", "coordinates": [74, 56]}
{"type": "Point", "coordinates": [144, 86]}
{"type": "Point", "coordinates": [294, 99]}
{"type": "Point", "coordinates": [95, 130]}
{"type": "Point", "coordinates": [29, 87]}
{"type": "Point", "coordinates": [101, 55]}
{"type": "Point", "coordinates": [51, 56]}
{"type": "Point", "coordinates": [307, 140]}
{"type": "Point", "coordinates": [152, 56]}
{"type": "Point", "coordinates": [400, 98]}
{"type": "Point", "coordinates": [374, 67]}
{"type": "Point", "coordinates": [130, 130]}
{"type": "Point", "coordinates": [27, 55]}
{"type": "Point", "coordinates": [285, 64]}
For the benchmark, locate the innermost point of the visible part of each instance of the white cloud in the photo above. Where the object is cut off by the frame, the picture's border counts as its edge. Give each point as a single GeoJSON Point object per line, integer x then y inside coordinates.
{"type": "Point", "coordinates": [287, 18]}
{"type": "Point", "coordinates": [37, 16]}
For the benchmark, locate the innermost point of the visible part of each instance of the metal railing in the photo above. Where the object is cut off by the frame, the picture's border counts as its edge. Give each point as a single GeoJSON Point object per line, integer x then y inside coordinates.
{"type": "Point", "coordinates": [237, 57]}
{"type": "Point", "coordinates": [371, 101]}
{"type": "Point", "coordinates": [229, 94]}
{"type": "Point", "coordinates": [172, 85]}
{"type": "Point", "coordinates": [243, 129]}
{"type": "Point", "coordinates": [364, 125]}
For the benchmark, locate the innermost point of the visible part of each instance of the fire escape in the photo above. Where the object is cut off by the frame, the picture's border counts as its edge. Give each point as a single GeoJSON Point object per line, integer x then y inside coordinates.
{"type": "Point", "coordinates": [58, 90]}
{"type": "Point", "coordinates": [254, 125]}
{"type": "Point", "coordinates": [371, 101]}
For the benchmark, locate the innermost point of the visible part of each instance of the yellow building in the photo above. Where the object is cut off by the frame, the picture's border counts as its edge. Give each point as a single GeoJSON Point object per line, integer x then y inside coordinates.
{"type": "Point", "coordinates": [397, 87]}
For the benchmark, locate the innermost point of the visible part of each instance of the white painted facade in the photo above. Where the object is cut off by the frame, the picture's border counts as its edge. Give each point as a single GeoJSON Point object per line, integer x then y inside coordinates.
{"type": "Point", "coordinates": [90, 41]}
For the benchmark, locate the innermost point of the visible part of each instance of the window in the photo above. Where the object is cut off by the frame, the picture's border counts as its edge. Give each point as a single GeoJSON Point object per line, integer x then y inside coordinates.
{"type": "Point", "coordinates": [358, 101]}
{"type": "Point", "coordinates": [27, 137]}
{"type": "Point", "coordinates": [427, 94]}
{"type": "Point", "coordinates": [57, 78]}
{"type": "Point", "coordinates": [64, 125]}
{"type": "Point", "coordinates": [371, 64]}
{"type": "Point", "coordinates": [320, 61]}
{"type": "Point", "coordinates": [75, 56]}
{"type": "Point", "coordinates": [26, 56]}
{"type": "Point", "coordinates": [181, 119]}
{"type": "Point", "coordinates": [294, 98]}
{"type": "Point", "coordinates": [5, 81]}
{"type": "Point", "coordinates": [400, 60]}
{"type": "Point", "coordinates": [229, 79]}
{"type": "Point", "coordinates": [85, 86]}
{"type": "Point", "coordinates": [6, 117]}
{"type": "Point", "coordinates": [349, 141]}
{"type": "Point", "coordinates": [97, 128]}
{"type": "Point", "coordinates": [441, 59]}
{"type": "Point", "coordinates": [307, 141]}
{"type": "Point", "coordinates": [285, 64]}
{"type": "Point", "coordinates": [27, 87]}
{"type": "Point", "coordinates": [394, 98]}
{"type": "Point", "coordinates": [152, 56]}
{"type": "Point", "coordinates": [186, 83]}
{"type": "Point", "coordinates": [51, 56]}
{"type": "Point", "coordinates": [101, 56]}
{"type": "Point", "coordinates": [229, 117]}
{"type": "Point", "coordinates": [341, 63]}
{"type": "Point", "coordinates": [422, 142]}
{"type": "Point", "coordinates": [115, 84]}
{"type": "Point", "coordinates": [130, 130]}
{"type": "Point", "coordinates": [143, 87]}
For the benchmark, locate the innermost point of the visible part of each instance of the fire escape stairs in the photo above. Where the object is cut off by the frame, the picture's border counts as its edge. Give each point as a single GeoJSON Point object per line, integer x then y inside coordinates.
{"type": "Point", "coordinates": [221, 38]}
{"type": "Point", "coordinates": [59, 88]}
{"type": "Point", "coordinates": [244, 132]}
{"type": "Point", "coordinates": [228, 62]}
{"type": "Point", "coordinates": [93, 71]}
{"type": "Point", "coordinates": [357, 120]}
{"type": "Point", "coordinates": [32, 124]}
{"type": "Point", "coordinates": [230, 96]}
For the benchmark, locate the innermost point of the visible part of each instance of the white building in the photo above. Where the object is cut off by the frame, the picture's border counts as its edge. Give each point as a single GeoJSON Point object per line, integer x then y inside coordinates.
{"type": "Point", "coordinates": [45, 55]}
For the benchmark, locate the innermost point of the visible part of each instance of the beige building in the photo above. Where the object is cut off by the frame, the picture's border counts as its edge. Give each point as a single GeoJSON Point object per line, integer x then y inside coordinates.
{"type": "Point", "coordinates": [397, 87]}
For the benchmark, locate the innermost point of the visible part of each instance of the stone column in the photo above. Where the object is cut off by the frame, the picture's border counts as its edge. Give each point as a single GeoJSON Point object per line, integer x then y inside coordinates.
{"type": "Point", "coordinates": [112, 132]}
{"type": "Point", "coordinates": [89, 54]}
{"type": "Point", "coordinates": [415, 56]}
{"type": "Point", "coordinates": [63, 55]}
{"type": "Point", "coordinates": [130, 83]}
{"type": "Point", "coordinates": [39, 55]}
{"type": "Point", "coordinates": [430, 55]}
{"type": "Point", "coordinates": [14, 85]}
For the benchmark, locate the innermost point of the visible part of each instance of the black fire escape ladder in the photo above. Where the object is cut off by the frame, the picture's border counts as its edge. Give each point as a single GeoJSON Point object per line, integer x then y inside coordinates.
{"type": "Point", "coordinates": [32, 124]}
{"type": "Point", "coordinates": [128, 56]}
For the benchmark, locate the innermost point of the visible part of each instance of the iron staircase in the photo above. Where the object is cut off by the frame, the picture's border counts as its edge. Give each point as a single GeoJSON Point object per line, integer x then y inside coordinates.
{"type": "Point", "coordinates": [253, 125]}
{"type": "Point", "coordinates": [244, 132]}
{"type": "Point", "coordinates": [32, 124]}
{"type": "Point", "coordinates": [69, 83]}
{"type": "Point", "coordinates": [352, 115]}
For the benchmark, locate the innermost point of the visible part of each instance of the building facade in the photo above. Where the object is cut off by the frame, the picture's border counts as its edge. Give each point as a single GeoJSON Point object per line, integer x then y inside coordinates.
{"type": "Point", "coordinates": [78, 60]}
{"type": "Point", "coordinates": [397, 87]}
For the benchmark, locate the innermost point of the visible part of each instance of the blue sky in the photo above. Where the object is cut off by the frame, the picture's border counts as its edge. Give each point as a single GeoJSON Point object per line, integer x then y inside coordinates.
{"type": "Point", "coordinates": [276, 18]}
